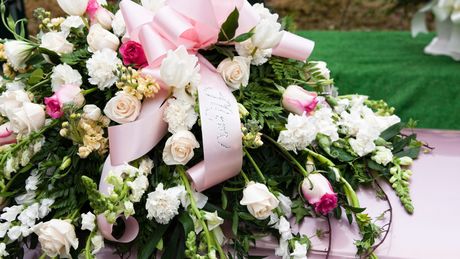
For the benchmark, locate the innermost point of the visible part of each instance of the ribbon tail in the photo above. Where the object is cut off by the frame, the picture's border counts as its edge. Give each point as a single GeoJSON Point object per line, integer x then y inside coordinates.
{"type": "Point", "coordinates": [221, 129]}
{"type": "Point", "coordinates": [294, 46]}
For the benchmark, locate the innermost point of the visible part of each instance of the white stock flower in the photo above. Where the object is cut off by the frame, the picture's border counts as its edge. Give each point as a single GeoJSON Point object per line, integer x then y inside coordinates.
{"type": "Point", "coordinates": [128, 208]}
{"type": "Point", "coordinates": [284, 228]}
{"type": "Point", "coordinates": [153, 5]}
{"type": "Point", "coordinates": [299, 134]}
{"type": "Point", "coordinates": [267, 34]}
{"type": "Point", "coordinates": [32, 182]}
{"type": "Point", "coordinates": [44, 209]}
{"type": "Point", "coordinates": [162, 205]}
{"type": "Point", "coordinates": [213, 220]}
{"type": "Point", "coordinates": [56, 237]}
{"type": "Point", "coordinates": [92, 112]}
{"type": "Point", "coordinates": [57, 42]}
{"type": "Point", "coordinates": [146, 165]}
{"type": "Point", "coordinates": [179, 148]}
{"type": "Point", "coordinates": [64, 74]}
{"type": "Point", "coordinates": [364, 142]}
{"type": "Point", "coordinates": [26, 198]}
{"type": "Point", "coordinates": [179, 68]}
{"type": "Point", "coordinates": [72, 22]}
{"type": "Point", "coordinates": [10, 213]}
{"type": "Point", "coordinates": [29, 215]}
{"type": "Point", "coordinates": [259, 200]}
{"type": "Point", "coordinates": [4, 227]}
{"type": "Point", "coordinates": [118, 24]}
{"type": "Point", "coordinates": [73, 7]}
{"type": "Point", "coordinates": [102, 67]}
{"type": "Point", "coordinates": [123, 108]}
{"type": "Point", "coordinates": [325, 124]}
{"type": "Point", "coordinates": [138, 187]}
{"type": "Point", "coordinates": [88, 221]}
{"type": "Point", "coordinates": [283, 249]}
{"type": "Point", "coordinates": [26, 119]}
{"type": "Point", "coordinates": [200, 198]}
{"type": "Point", "coordinates": [3, 251]}
{"type": "Point", "coordinates": [14, 232]}
{"type": "Point", "coordinates": [11, 100]}
{"type": "Point", "coordinates": [180, 115]}
{"type": "Point", "coordinates": [382, 155]}
{"type": "Point", "coordinates": [100, 38]}
{"type": "Point", "coordinates": [285, 204]}
{"type": "Point", "coordinates": [257, 56]}
{"type": "Point", "coordinates": [300, 251]}
{"type": "Point", "coordinates": [97, 242]}
{"type": "Point", "coordinates": [235, 71]}
{"type": "Point", "coordinates": [17, 53]}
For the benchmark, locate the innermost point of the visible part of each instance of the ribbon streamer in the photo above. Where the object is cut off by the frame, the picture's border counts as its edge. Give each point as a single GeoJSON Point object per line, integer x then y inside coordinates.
{"type": "Point", "coordinates": [195, 25]}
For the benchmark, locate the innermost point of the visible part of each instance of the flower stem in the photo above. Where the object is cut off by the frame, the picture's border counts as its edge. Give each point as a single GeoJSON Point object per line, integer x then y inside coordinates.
{"type": "Point", "coordinates": [246, 179]}
{"type": "Point", "coordinates": [39, 84]}
{"type": "Point", "coordinates": [88, 91]}
{"type": "Point", "coordinates": [196, 211]}
{"type": "Point", "coordinates": [88, 254]}
{"type": "Point", "coordinates": [256, 167]}
{"type": "Point", "coordinates": [320, 158]}
{"type": "Point", "coordinates": [290, 157]}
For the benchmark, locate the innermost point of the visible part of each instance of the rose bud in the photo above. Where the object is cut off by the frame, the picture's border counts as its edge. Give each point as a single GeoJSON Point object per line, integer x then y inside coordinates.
{"type": "Point", "coordinates": [67, 94]}
{"type": "Point", "coordinates": [133, 54]}
{"type": "Point", "coordinates": [298, 100]}
{"type": "Point", "coordinates": [73, 7]}
{"type": "Point", "coordinates": [259, 200]}
{"type": "Point", "coordinates": [318, 192]}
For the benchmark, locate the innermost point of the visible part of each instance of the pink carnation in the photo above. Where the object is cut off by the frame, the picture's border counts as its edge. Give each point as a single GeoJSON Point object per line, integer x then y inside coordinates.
{"type": "Point", "coordinates": [54, 107]}
{"type": "Point", "coordinates": [133, 53]}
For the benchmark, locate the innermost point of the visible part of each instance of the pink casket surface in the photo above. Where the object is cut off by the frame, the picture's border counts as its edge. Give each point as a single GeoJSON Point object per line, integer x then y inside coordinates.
{"type": "Point", "coordinates": [431, 232]}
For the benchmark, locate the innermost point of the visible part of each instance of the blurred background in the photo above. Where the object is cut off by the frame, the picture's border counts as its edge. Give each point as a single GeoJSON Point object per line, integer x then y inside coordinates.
{"type": "Point", "coordinates": [369, 49]}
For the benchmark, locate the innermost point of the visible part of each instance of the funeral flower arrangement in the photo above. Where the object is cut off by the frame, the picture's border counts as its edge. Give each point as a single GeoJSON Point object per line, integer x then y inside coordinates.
{"type": "Point", "coordinates": [181, 129]}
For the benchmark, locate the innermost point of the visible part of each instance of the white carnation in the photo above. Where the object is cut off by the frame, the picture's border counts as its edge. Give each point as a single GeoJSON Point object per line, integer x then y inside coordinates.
{"type": "Point", "coordinates": [180, 115]}
{"type": "Point", "coordinates": [118, 24]}
{"type": "Point", "coordinates": [299, 134]}
{"type": "Point", "coordinates": [382, 155]}
{"type": "Point", "coordinates": [72, 22]}
{"type": "Point", "coordinates": [325, 123]}
{"type": "Point", "coordinates": [63, 74]}
{"type": "Point", "coordinates": [88, 221]}
{"type": "Point", "coordinates": [264, 13]}
{"type": "Point", "coordinates": [102, 67]}
{"type": "Point", "coordinates": [364, 142]}
{"type": "Point", "coordinates": [162, 205]}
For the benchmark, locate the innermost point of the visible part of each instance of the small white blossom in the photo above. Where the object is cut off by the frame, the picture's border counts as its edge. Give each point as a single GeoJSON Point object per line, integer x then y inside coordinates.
{"type": "Point", "coordinates": [128, 208]}
{"type": "Point", "coordinates": [178, 68]}
{"type": "Point", "coordinates": [283, 249]}
{"type": "Point", "coordinates": [32, 181]}
{"type": "Point", "coordinates": [138, 187]}
{"type": "Point", "coordinates": [118, 24]}
{"type": "Point", "coordinates": [26, 198]}
{"type": "Point", "coordinates": [284, 228]}
{"type": "Point", "coordinates": [45, 207]}
{"type": "Point", "coordinates": [15, 85]}
{"type": "Point", "coordinates": [4, 227]}
{"type": "Point", "coordinates": [14, 232]}
{"type": "Point", "coordinates": [382, 155]}
{"type": "Point", "coordinates": [258, 57]}
{"type": "Point", "coordinates": [180, 115]}
{"type": "Point", "coordinates": [325, 123]}
{"type": "Point", "coordinates": [72, 22]}
{"type": "Point", "coordinates": [146, 166]}
{"type": "Point", "coordinates": [264, 12]}
{"type": "Point", "coordinates": [300, 251]}
{"type": "Point", "coordinates": [285, 205]}
{"type": "Point", "coordinates": [57, 42]}
{"type": "Point", "coordinates": [3, 251]}
{"type": "Point", "coordinates": [10, 213]}
{"type": "Point", "coordinates": [88, 221]}
{"type": "Point", "coordinates": [98, 243]}
{"type": "Point", "coordinates": [102, 67]}
{"type": "Point", "coordinates": [162, 205]}
{"type": "Point", "coordinates": [200, 198]}
{"type": "Point", "coordinates": [29, 215]}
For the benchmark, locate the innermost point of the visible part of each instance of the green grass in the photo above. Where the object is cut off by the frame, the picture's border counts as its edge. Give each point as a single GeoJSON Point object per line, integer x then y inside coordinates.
{"type": "Point", "coordinates": [392, 66]}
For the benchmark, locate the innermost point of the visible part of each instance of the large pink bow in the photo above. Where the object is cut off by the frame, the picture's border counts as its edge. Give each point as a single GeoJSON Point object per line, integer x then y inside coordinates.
{"type": "Point", "coordinates": [195, 25]}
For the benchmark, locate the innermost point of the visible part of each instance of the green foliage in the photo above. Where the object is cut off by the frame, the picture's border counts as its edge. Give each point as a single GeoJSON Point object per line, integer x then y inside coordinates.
{"type": "Point", "coordinates": [228, 29]}
{"type": "Point", "coordinates": [78, 56]}
{"type": "Point", "coordinates": [400, 183]}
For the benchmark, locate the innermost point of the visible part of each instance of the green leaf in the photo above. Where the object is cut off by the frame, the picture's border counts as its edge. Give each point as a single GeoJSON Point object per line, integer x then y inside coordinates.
{"type": "Point", "coordinates": [243, 37]}
{"type": "Point", "coordinates": [235, 223]}
{"type": "Point", "coordinates": [224, 199]}
{"type": "Point", "coordinates": [187, 222]}
{"type": "Point", "coordinates": [176, 245]}
{"type": "Point", "coordinates": [147, 250]}
{"type": "Point", "coordinates": [228, 29]}
{"type": "Point", "coordinates": [228, 52]}
{"type": "Point", "coordinates": [11, 23]}
{"type": "Point", "coordinates": [392, 131]}
{"type": "Point", "coordinates": [410, 152]}
{"type": "Point", "coordinates": [36, 76]}
{"type": "Point", "coordinates": [354, 209]}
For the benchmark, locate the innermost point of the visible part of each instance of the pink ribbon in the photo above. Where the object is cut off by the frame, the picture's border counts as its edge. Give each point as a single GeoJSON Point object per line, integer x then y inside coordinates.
{"type": "Point", "coordinates": [195, 25]}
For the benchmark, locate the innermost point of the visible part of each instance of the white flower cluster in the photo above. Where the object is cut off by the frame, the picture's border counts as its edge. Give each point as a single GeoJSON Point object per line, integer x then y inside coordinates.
{"type": "Point", "coordinates": [301, 130]}
{"type": "Point", "coordinates": [88, 222]}
{"type": "Point", "coordinates": [267, 35]}
{"type": "Point", "coordinates": [359, 121]}
{"type": "Point", "coordinates": [102, 67]}
{"type": "Point", "coordinates": [22, 157]}
{"type": "Point", "coordinates": [63, 74]}
{"type": "Point", "coordinates": [20, 220]}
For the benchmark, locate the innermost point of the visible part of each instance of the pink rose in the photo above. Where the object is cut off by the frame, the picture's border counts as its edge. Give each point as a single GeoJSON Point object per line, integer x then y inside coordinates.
{"type": "Point", "coordinates": [298, 100]}
{"type": "Point", "coordinates": [92, 8]}
{"type": "Point", "coordinates": [133, 53]}
{"type": "Point", "coordinates": [6, 135]}
{"type": "Point", "coordinates": [66, 94]}
{"type": "Point", "coordinates": [319, 193]}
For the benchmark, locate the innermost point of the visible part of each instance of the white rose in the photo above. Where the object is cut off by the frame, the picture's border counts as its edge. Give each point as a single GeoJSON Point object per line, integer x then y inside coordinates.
{"type": "Point", "coordinates": [57, 42]}
{"type": "Point", "coordinates": [100, 38]}
{"type": "Point", "coordinates": [73, 7]}
{"type": "Point", "coordinates": [56, 237]}
{"type": "Point", "coordinates": [10, 100]}
{"type": "Point", "coordinates": [102, 67]}
{"type": "Point", "coordinates": [72, 22]}
{"type": "Point", "coordinates": [118, 24]}
{"type": "Point", "coordinates": [153, 5]}
{"type": "Point", "coordinates": [104, 17]}
{"type": "Point", "coordinates": [179, 68]}
{"type": "Point", "coordinates": [63, 74]}
{"type": "Point", "coordinates": [123, 108]}
{"type": "Point", "coordinates": [30, 117]}
{"type": "Point", "coordinates": [179, 148]}
{"type": "Point", "coordinates": [92, 112]}
{"type": "Point", "coordinates": [267, 34]}
{"type": "Point", "coordinates": [259, 200]}
{"type": "Point", "coordinates": [264, 13]}
{"type": "Point", "coordinates": [17, 53]}
{"type": "Point", "coordinates": [235, 72]}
